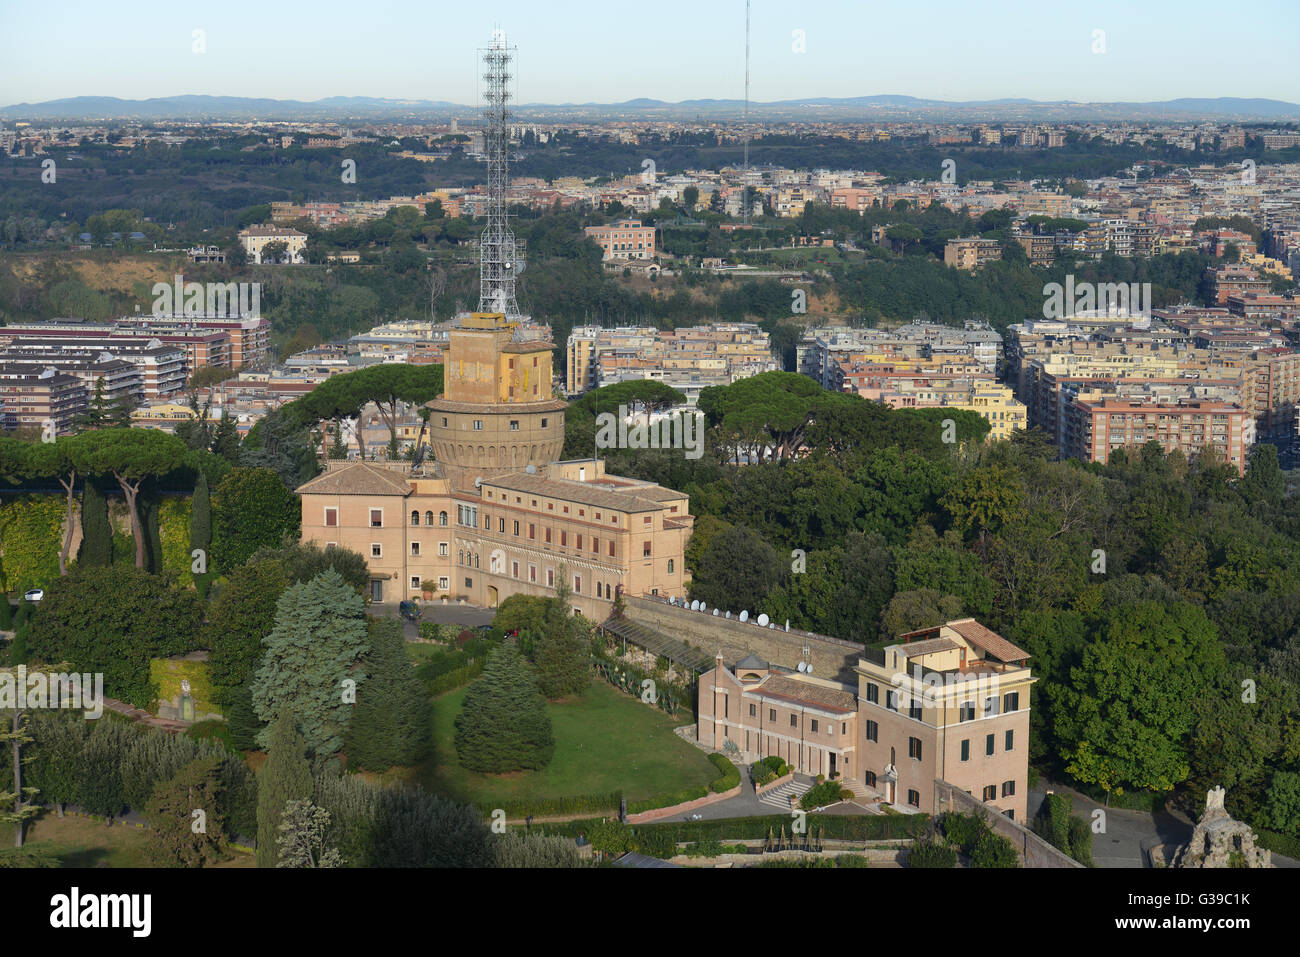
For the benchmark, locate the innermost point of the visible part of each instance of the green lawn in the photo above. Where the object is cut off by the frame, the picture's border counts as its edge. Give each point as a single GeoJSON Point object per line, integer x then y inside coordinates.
{"type": "Point", "coordinates": [604, 741]}
{"type": "Point", "coordinates": [82, 842]}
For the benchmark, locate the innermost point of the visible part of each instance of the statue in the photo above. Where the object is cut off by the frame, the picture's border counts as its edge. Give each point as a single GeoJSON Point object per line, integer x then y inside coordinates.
{"type": "Point", "coordinates": [1220, 841]}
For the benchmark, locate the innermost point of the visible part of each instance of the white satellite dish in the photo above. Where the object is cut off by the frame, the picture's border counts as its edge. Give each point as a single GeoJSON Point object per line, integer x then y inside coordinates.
{"type": "Point", "coordinates": [695, 605]}
{"type": "Point", "coordinates": [787, 624]}
{"type": "Point", "coordinates": [478, 482]}
{"type": "Point", "coordinates": [728, 614]}
{"type": "Point", "coordinates": [715, 613]}
{"type": "Point", "coordinates": [809, 668]}
{"type": "Point", "coordinates": [802, 666]}
{"type": "Point", "coordinates": [744, 616]}
{"type": "Point", "coordinates": [763, 620]}
{"type": "Point", "coordinates": [772, 626]}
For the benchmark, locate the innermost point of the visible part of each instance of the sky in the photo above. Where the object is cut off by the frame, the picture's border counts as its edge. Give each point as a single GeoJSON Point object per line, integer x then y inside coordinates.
{"type": "Point", "coordinates": [579, 51]}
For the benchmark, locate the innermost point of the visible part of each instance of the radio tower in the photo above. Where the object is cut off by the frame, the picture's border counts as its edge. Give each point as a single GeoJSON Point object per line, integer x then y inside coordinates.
{"type": "Point", "coordinates": [745, 193]}
{"type": "Point", "coordinates": [498, 260]}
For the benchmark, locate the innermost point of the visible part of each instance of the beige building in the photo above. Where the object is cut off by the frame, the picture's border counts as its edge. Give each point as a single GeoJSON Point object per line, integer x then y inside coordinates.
{"type": "Point", "coordinates": [496, 514]}
{"type": "Point", "coordinates": [256, 239]}
{"type": "Point", "coordinates": [949, 702]}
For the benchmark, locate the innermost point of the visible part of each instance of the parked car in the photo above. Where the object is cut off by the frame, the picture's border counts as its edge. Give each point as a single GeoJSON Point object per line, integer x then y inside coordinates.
{"type": "Point", "coordinates": [410, 610]}
{"type": "Point", "coordinates": [36, 594]}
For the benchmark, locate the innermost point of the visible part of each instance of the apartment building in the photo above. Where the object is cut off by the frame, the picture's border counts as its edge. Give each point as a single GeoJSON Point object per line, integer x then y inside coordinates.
{"type": "Point", "coordinates": [949, 702]}
{"type": "Point", "coordinates": [971, 253]}
{"type": "Point", "coordinates": [819, 350]}
{"type": "Point", "coordinates": [119, 380]}
{"type": "Point", "coordinates": [46, 400]}
{"type": "Point", "coordinates": [160, 368]}
{"type": "Point", "coordinates": [1098, 424]}
{"type": "Point", "coordinates": [689, 358]}
{"type": "Point", "coordinates": [624, 239]}
{"type": "Point", "coordinates": [206, 340]}
{"type": "Point", "coordinates": [496, 513]}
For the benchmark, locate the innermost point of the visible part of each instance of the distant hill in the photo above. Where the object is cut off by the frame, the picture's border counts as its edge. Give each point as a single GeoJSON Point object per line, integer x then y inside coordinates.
{"type": "Point", "coordinates": [872, 108]}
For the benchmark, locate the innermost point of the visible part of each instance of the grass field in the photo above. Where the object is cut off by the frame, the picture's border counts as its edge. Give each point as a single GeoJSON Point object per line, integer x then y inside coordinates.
{"type": "Point", "coordinates": [604, 741]}
{"type": "Point", "coordinates": [83, 842]}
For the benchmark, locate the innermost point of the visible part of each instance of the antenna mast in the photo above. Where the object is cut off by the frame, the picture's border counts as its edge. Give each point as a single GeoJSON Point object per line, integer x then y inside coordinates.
{"type": "Point", "coordinates": [498, 261]}
{"type": "Point", "coordinates": [744, 201]}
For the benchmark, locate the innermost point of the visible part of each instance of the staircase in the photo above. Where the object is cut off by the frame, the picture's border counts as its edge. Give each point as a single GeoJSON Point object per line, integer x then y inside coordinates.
{"type": "Point", "coordinates": [780, 797]}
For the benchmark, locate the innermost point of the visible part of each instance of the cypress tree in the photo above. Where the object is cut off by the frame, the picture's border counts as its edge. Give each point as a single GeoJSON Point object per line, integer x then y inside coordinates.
{"type": "Point", "coordinates": [286, 776]}
{"type": "Point", "coordinates": [201, 516]}
{"type": "Point", "coordinates": [6, 613]}
{"type": "Point", "coordinates": [390, 724]}
{"type": "Point", "coordinates": [96, 532]}
{"type": "Point", "coordinates": [149, 506]}
{"type": "Point", "coordinates": [503, 725]}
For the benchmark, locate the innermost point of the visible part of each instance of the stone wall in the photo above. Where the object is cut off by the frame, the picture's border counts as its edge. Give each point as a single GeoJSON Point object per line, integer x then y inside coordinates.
{"type": "Point", "coordinates": [830, 657]}
{"type": "Point", "coordinates": [663, 813]}
{"type": "Point", "coordinates": [1033, 850]}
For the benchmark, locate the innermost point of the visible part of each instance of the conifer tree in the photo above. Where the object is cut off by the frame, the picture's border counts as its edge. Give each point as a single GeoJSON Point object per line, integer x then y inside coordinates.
{"type": "Point", "coordinates": [285, 777]}
{"type": "Point", "coordinates": [391, 722]}
{"type": "Point", "coordinates": [563, 657]}
{"type": "Point", "coordinates": [225, 439]}
{"type": "Point", "coordinates": [201, 517]}
{"type": "Point", "coordinates": [311, 654]}
{"type": "Point", "coordinates": [96, 532]}
{"type": "Point", "coordinates": [185, 817]}
{"type": "Point", "coordinates": [503, 725]}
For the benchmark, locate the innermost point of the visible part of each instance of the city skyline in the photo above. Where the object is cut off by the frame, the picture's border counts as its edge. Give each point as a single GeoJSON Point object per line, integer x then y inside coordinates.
{"type": "Point", "coordinates": [686, 52]}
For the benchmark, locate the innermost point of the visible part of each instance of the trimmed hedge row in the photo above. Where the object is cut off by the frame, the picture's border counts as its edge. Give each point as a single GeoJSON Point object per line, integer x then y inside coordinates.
{"type": "Point", "coordinates": [577, 804]}
{"type": "Point", "coordinates": [768, 770]}
{"type": "Point", "coordinates": [730, 774]}
{"type": "Point", "coordinates": [833, 827]}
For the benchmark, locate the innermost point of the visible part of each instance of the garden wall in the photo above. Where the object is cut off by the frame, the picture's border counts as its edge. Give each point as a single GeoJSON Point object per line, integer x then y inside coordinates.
{"type": "Point", "coordinates": [660, 813]}
{"type": "Point", "coordinates": [1033, 850]}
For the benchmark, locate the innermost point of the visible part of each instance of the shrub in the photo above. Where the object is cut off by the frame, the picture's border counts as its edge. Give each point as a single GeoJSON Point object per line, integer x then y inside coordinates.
{"type": "Point", "coordinates": [993, 851]}
{"type": "Point", "coordinates": [730, 774]}
{"type": "Point", "coordinates": [931, 854]}
{"type": "Point", "coordinates": [822, 794]}
{"type": "Point", "coordinates": [217, 731]}
{"type": "Point", "coordinates": [654, 843]}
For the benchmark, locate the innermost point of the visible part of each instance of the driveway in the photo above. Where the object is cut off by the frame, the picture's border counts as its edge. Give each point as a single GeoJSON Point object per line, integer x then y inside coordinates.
{"type": "Point", "coordinates": [471, 616]}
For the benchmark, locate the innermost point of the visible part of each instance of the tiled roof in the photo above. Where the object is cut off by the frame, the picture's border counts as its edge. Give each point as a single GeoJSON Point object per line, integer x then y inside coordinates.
{"type": "Point", "coordinates": [808, 692]}
{"type": "Point", "coordinates": [357, 479]}
{"type": "Point", "coordinates": [988, 641]}
{"type": "Point", "coordinates": [585, 493]}
{"type": "Point", "coordinates": [927, 647]}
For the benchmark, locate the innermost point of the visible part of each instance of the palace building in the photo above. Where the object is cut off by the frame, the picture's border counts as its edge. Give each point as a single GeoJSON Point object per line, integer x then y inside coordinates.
{"type": "Point", "coordinates": [496, 513]}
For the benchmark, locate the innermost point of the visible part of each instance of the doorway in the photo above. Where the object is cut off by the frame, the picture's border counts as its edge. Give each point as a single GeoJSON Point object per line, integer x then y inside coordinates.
{"type": "Point", "coordinates": [376, 590]}
{"type": "Point", "coordinates": [492, 596]}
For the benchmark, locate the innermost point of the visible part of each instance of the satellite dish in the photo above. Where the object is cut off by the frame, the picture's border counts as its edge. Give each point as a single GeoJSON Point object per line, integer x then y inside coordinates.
{"type": "Point", "coordinates": [703, 607]}
{"type": "Point", "coordinates": [744, 616]}
{"type": "Point", "coordinates": [478, 482]}
{"type": "Point", "coordinates": [809, 669]}
{"type": "Point", "coordinates": [772, 626]}
{"type": "Point", "coordinates": [728, 614]}
{"type": "Point", "coordinates": [695, 606]}
{"type": "Point", "coordinates": [519, 266]}
{"type": "Point", "coordinates": [763, 620]}
{"type": "Point", "coordinates": [531, 469]}
{"type": "Point", "coordinates": [802, 666]}
{"type": "Point", "coordinates": [715, 613]}
{"type": "Point", "coordinates": [787, 624]}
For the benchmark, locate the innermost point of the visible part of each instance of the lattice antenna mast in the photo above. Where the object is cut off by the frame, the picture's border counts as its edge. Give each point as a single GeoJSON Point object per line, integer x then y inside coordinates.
{"type": "Point", "coordinates": [745, 192]}
{"type": "Point", "coordinates": [498, 261]}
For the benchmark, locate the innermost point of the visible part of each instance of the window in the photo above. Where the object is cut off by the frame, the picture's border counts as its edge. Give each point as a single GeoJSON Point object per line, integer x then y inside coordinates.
{"type": "Point", "coordinates": [870, 778]}
{"type": "Point", "coordinates": [548, 534]}
{"type": "Point", "coordinates": [415, 549]}
{"type": "Point", "coordinates": [965, 749]}
{"type": "Point", "coordinates": [415, 518]}
{"type": "Point", "coordinates": [891, 700]}
{"type": "Point", "coordinates": [532, 530]}
{"type": "Point", "coordinates": [753, 710]}
{"type": "Point", "coordinates": [428, 518]}
{"type": "Point", "coordinates": [645, 549]}
{"type": "Point", "coordinates": [794, 721]}
{"type": "Point", "coordinates": [545, 423]}
{"type": "Point", "coordinates": [444, 584]}
{"type": "Point", "coordinates": [442, 518]}
{"type": "Point", "coordinates": [502, 526]}
{"type": "Point", "coordinates": [771, 714]}
{"type": "Point", "coordinates": [469, 583]}
{"type": "Point", "coordinates": [564, 538]}
{"type": "Point", "coordinates": [1008, 788]}
{"type": "Point", "coordinates": [873, 693]}
{"type": "Point", "coordinates": [376, 550]}
{"type": "Point", "coordinates": [478, 425]}
{"type": "Point", "coordinates": [376, 518]}
{"type": "Point", "coordinates": [967, 711]}
{"type": "Point", "coordinates": [514, 569]}
{"type": "Point", "coordinates": [595, 544]}
{"type": "Point", "coordinates": [844, 727]}
{"type": "Point", "coordinates": [444, 421]}
{"type": "Point", "coordinates": [988, 744]}
{"type": "Point", "coordinates": [1011, 701]}
{"type": "Point", "coordinates": [580, 540]}
{"type": "Point", "coordinates": [914, 708]}
{"type": "Point", "coordinates": [415, 583]}
{"type": "Point", "coordinates": [577, 584]}
{"type": "Point", "coordinates": [611, 550]}
{"type": "Point", "coordinates": [516, 528]}
{"type": "Point", "coordinates": [914, 748]}
{"type": "Point", "coordinates": [1011, 738]}
{"type": "Point", "coordinates": [873, 731]}
{"type": "Point", "coordinates": [914, 798]}
{"type": "Point", "coordinates": [814, 725]}
{"type": "Point", "coordinates": [331, 517]}
{"type": "Point", "coordinates": [514, 425]}
{"type": "Point", "coordinates": [990, 706]}
{"type": "Point", "coordinates": [991, 792]}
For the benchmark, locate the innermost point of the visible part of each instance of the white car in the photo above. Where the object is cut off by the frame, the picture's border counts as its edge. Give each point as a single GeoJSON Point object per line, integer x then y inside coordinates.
{"type": "Point", "coordinates": [36, 594]}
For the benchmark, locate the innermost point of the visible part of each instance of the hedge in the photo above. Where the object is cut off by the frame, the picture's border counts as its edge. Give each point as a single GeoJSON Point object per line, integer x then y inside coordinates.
{"type": "Point", "coordinates": [167, 674]}
{"type": "Point", "coordinates": [1288, 845]}
{"type": "Point", "coordinates": [833, 827]}
{"type": "Point", "coordinates": [31, 536]}
{"type": "Point", "coordinates": [730, 774]}
{"type": "Point", "coordinates": [574, 804]}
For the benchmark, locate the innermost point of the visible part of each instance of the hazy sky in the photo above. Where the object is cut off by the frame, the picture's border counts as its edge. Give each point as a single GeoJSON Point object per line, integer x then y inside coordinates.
{"type": "Point", "coordinates": [576, 51]}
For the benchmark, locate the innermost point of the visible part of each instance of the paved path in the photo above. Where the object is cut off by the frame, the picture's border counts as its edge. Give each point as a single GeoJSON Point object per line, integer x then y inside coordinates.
{"type": "Point", "coordinates": [470, 616]}
{"type": "Point", "coordinates": [144, 717]}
